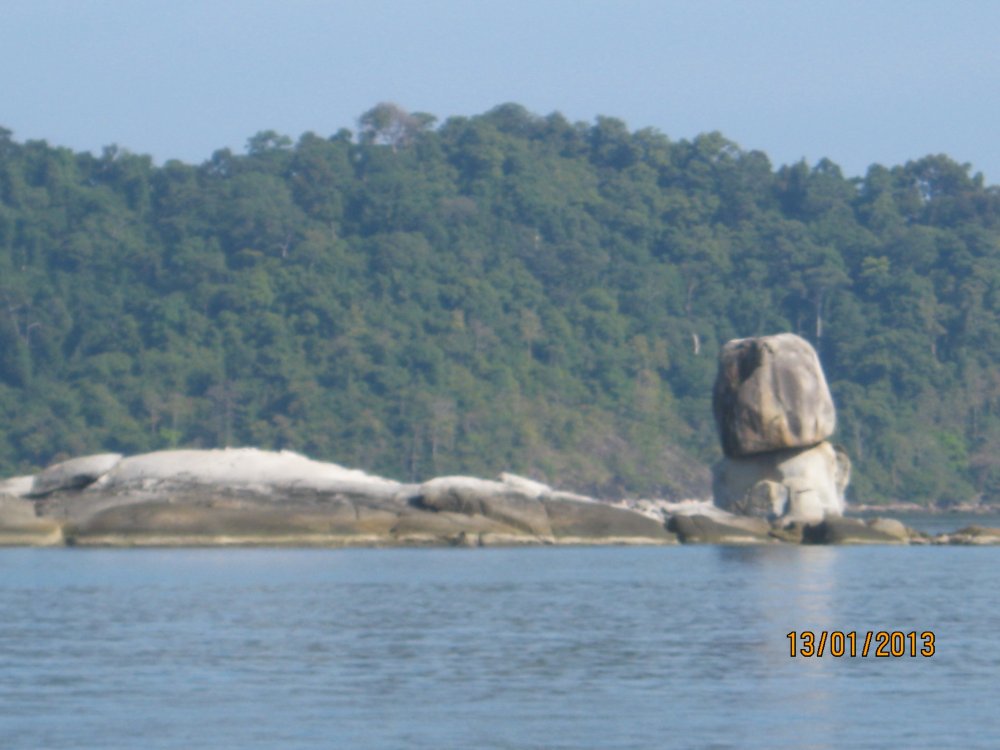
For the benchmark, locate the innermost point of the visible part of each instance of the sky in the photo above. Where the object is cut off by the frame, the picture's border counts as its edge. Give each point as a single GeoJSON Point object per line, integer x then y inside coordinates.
{"type": "Point", "coordinates": [856, 81]}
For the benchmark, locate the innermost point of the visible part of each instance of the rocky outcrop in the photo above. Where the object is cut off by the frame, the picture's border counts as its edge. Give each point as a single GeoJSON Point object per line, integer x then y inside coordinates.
{"type": "Point", "coordinates": [971, 535]}
{"type": "Point", "coordinates": [849, 531]}
{"type": "Point", "coordinates": [698, 529]}
{"type": "Point", "coordinates": [246, 468]}
{"type": "Point", "coordinates": [74, 474]}
{"type": "Point", "coordinates": [803, 485]}
{"type": "Point", "coordinates": [770, 394]}
{"type": "Point", "coordinates": [892, 527]}
{"type": "Point", "coordinates": [252, 497]}
{"type": "Point", "coordinates": [774, 412]}
{"type": "Point", "coordinates": [515, 508]}
{"type": "Point", "coordinates": [20, 525]}
{"type": "Point", "coordinates": [508, 503]}
{"type": "Point", "coordinates": [576, 522]}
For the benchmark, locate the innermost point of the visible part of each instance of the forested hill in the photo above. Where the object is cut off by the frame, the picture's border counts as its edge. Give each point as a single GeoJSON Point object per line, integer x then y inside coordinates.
{"type": "Point", "coordinates": [498, 292]}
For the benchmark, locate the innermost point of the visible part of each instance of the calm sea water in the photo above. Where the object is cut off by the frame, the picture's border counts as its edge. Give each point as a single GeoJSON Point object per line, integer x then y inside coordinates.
{"type": "Point", "coordinates": [493, 648]}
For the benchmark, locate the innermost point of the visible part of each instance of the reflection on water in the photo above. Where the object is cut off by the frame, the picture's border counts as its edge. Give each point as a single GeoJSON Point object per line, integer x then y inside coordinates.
{"type": "Point", "coordinates": [791, 589]}
{"type": "Point", "coordinates": [541, 648]}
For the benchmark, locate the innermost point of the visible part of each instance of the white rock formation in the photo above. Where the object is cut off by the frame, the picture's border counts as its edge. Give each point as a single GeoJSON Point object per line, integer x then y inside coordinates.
{"type": "Point", "coordinates": [804, 484]}
{"type": "Point", "coordinates": [524, 485]}
{"type": "Point", "coordinates": [242, 467]}
{"type": "Point", "coordinates": [75, 473]}
{"type": "Point", "coordinates": [17, 486]}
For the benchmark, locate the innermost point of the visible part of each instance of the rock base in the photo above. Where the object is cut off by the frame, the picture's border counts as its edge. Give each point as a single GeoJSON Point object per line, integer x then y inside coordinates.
{"type": "Point", "coordinates": [802, 485]}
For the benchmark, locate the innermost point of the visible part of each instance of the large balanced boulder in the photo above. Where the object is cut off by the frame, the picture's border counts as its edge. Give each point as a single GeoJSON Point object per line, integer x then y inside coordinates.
{"type": "Point", "coordinates": [770, 394]}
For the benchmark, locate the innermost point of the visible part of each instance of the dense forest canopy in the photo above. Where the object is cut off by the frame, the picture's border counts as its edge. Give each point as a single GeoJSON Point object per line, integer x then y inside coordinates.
{"type": "Point", "coordinates": [505, 291]}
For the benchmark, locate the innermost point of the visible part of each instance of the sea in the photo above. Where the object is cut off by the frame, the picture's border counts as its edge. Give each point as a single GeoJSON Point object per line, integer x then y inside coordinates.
{"type": "Point", "coordinates": [576, 647]}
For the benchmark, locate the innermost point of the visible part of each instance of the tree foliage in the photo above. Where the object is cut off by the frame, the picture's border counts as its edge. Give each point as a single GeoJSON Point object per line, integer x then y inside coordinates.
{"type": "Point", "coordinates": [504, 291]}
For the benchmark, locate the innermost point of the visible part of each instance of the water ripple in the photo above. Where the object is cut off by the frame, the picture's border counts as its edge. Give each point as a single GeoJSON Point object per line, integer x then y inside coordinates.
{"type": "Point", "coordinates": [549, 648]}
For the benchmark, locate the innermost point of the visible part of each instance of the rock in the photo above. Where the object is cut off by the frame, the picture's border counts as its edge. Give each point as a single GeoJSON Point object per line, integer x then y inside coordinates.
{"type": "Point", "coordinates": [252, 468]}
{"type": "Point", "coordinates": [765, 499]}
{"type": "Point", "coordinates": [575, 522]}
{"type": "Point", "coordinates": [973, 535]}
{"type": "Point", "coordinates": [74, 474]}
{"type": "Point", "coordinates": [494, 500]}
{"type": "Point", "coordinates": [847, 531]}
{"type": "Point", "coordinates": [418, 527]}
{"type": "Point", "coordinates": [809, 479]}
{"type": "Point", "coordinates": [770, 394]}
{"type": "Point", "coordinates": [525, 486]}
{"type": "Point", "coordinates": [688, 508]}
{"type": "Point", "coordinates": [808, 501]}
{"type": "Point", "coordinates": [466, 539]}
{"type": "Point", "coordinates": [890, 526]}
{"type": "Point", "coordinates": [373, 521]}
{"type": "Point", "coordinates": [253, 497]}
{"type": "Point", "coordinates": [843, 475]}
{"type": "Point", "coordinates": [791, 533]}
{"type": "Point", "coordinates": [747, 523]}
{"type": "Point", "coordinates": [704, 530]}
{"type": "Point", "coordinates": [496, 539]}
{"type": "Point", "coordinates": [17, 486]}
{"type": "Point", "coordinates": [572, 497]}
{"type": "Point", "coordinates": [19, 524]}
{"type": "Point", "coordinates": [186, 521]}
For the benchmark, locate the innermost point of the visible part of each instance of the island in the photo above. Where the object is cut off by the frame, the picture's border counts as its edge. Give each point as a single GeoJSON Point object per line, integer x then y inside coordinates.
{"type": "Point", "coordinates": [780, 482]}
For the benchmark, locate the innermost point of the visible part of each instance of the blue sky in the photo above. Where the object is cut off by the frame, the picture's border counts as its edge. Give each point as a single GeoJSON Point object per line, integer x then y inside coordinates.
{"type": "Point", "coordinates": [859, 82]}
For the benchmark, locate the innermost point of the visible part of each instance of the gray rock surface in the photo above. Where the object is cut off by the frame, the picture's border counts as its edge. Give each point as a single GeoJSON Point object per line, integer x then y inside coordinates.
{"type": "Point", "coordinates": [507, 510]}
{"type": "Point", "coordinates": [770, 394]}
{"type": "Point", "coordinates": [892, 527]}
{"type": "Point", "coordinates": [20, 524]}
{"type": "Point", "coordinates": [847, 531]}
{"type": "Point", "coordinates": [246, 496]}
{"type": "Point", "coordinates": [75, 473]}
{"type": "Point", "coordinates": [706, 530]}
{"type": "Point", "coordinates": [764, 499]}
{"type": "Point", "coordinates": [803, 484]}
{"type": "Point", "coordinates": [573, 521]}
{"type": "Point", "coordinates": [506, 503]}
{"type": "Point", "coordinates": [971, 535]}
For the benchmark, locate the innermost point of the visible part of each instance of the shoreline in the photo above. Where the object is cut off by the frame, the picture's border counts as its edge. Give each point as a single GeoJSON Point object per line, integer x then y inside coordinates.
{"type": "Point", "coordinates": [252, 498]}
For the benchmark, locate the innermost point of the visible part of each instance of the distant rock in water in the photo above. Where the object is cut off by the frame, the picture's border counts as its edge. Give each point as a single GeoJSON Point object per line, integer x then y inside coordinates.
{"type": "Point", "coordinates": [774, 412]}
{"type": "Point", "coordinates": [770, 394]}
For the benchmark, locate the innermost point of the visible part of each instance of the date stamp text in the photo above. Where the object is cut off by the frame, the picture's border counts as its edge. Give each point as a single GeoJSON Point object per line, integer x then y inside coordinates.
{"type": "Point", "coordinates": [879, 643]}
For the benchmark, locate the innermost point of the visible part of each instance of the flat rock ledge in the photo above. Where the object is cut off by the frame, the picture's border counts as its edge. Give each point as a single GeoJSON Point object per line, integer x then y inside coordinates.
{"type": "Point", "coordinates": [249, 497]}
